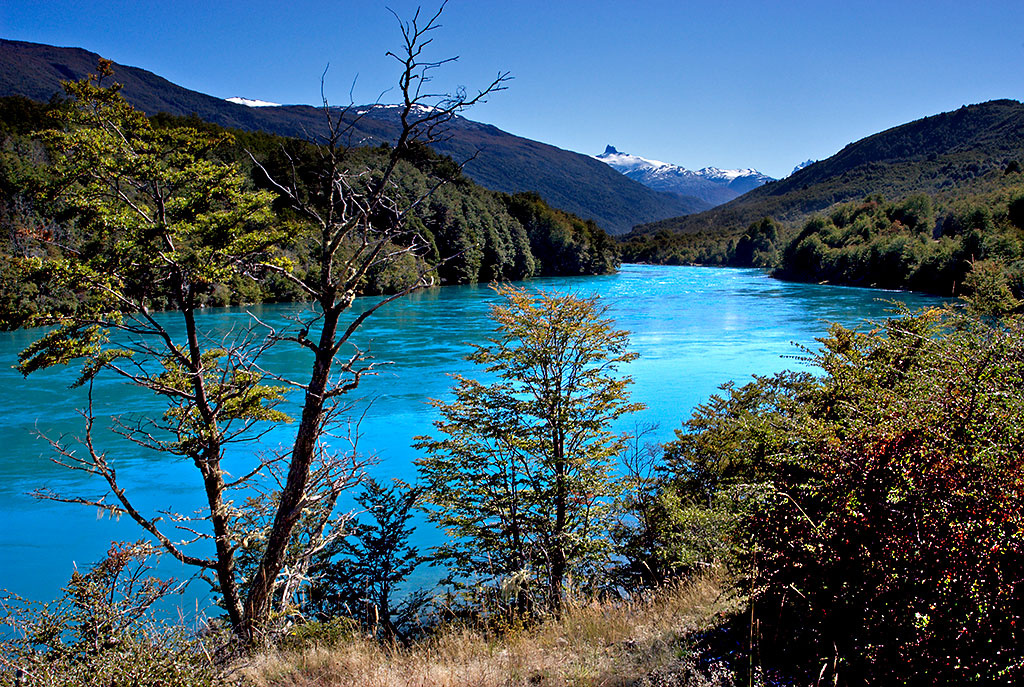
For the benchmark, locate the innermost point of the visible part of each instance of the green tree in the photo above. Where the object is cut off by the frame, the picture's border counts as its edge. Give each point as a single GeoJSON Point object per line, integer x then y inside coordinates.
{"type": "Point", "coordinates": [102, 632]}
{"type": "Point", "coordinates": [757, 246]}
{"type": "Point", "coordinates": [710, 474]}
{"type": "Point", "coordinates": [520, 475]}
{"type": "Point", "coordinates": [360, 575]}
{"type": "Point", "coordinates": [169, 224]}
{"type": "Point", "coordinates": [166, 225]}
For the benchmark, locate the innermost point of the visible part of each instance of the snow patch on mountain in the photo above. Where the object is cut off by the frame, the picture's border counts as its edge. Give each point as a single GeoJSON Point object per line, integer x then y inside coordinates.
{"type": "Point", "coordinates": [806, 163]}
{"type": "Point", "coordinates": [396, 109]}
{"type": "Point", "coordinates": [625, 161]}
{"type": "Point", "coordinates": [726, 175]}
{"type": "Point", "coordinates": [710, 183]}
{"type": "Point", "coordinates": [248, 102]}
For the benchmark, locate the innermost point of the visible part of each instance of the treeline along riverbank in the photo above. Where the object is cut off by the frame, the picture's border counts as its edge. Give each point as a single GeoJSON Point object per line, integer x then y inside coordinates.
{"type": "Point", "coordinates": [469, 234]}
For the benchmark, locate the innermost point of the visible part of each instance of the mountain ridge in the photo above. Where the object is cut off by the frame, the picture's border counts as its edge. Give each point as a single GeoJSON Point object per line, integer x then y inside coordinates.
{"type": "Point", "coordinates": [711, 184]}
{"type": "Point", "coordinates": [498, 160]}
{"type": "Point", "coordinates": [934, 155]}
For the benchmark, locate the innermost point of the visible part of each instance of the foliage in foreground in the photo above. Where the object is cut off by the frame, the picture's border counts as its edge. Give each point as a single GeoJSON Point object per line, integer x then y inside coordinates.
{"type": "Point", "coordinates": [359, 576]}
{"type": "Point", "coordinates": [872, 514]}
{"type": "Point", "coordinates": [876, 511]}
{"type": "Point", "coordinates": [520, 475]}
{"type": "Point", "coordinates": [100, 633]}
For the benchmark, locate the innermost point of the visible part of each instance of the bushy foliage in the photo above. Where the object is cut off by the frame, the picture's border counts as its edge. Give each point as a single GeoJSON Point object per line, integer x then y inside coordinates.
{"type": "Point", "coordinates": [520, 472]}
{"type": "Point", "coordinates": [359, 577]}
{"type": "Point", "coordinates": [902, 245]}
{"type": "Point", "coordinates": [758, 246]}
{"type": "Point", "coordinates": [885, 536]}
{"type": "Point", "coordinates": [714, 470]}
{"type": "Point", "coordinates": [101, 633]}
{"type": "Point", "coordinates": [894, 245]}
{"type": "Point", "coordinates": [562, 243]}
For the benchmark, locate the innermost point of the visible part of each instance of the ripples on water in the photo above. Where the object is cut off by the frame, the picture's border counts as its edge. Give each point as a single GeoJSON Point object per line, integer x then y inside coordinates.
{"type": "Point", "coordinates": [694, 327]}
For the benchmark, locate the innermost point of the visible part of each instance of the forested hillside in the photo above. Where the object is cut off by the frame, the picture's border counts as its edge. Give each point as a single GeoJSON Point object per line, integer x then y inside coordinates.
{"type": "Point", "coordinates": [472, 234]}
{"type": "Point", "coordinates": [913, 207]}
{"type": "Point", "coordinates": [950, 153]}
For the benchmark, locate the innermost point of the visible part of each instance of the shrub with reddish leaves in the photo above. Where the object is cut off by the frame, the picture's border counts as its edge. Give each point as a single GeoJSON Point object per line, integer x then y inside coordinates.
{"type": "Point", "coordinates": [887, 545]}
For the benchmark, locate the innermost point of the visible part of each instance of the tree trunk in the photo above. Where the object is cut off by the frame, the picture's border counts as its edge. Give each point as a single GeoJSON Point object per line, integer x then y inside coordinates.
{"type": "Point", "coordinates": [558, 558]}
{"type": "Point", "coordinates": [256, 612]}
{"type": "Point", "coordinates": [208, 461]}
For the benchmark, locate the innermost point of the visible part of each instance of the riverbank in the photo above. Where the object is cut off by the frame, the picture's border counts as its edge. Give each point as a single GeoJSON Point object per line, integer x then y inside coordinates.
{"type": "Point", "coordinates": [645, 641]}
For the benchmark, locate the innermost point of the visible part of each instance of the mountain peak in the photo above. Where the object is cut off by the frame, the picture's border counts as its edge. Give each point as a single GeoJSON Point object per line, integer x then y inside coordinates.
{"type": "Point", "coordinates": [710, 184]}
{"type": "Point", "coordinates": [806, 163]}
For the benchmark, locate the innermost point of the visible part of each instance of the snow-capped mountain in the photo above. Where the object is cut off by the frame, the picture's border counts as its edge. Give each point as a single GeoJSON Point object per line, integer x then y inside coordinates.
{"type": "Point", "coordinates": [805, 163]}
{"type": "Point", "coordinates": [248, 102]}
{"type": "Point", "coordinates": [711, 184]}
{"type": "Point", "coordinates": [740, 180]}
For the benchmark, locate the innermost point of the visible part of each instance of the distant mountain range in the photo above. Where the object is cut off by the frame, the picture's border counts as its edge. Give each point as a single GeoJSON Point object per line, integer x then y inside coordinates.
{"type": "Point", "coordinates": [503, 162]}
{"type": "Point", "coordinates": [946, 155]}
{"type": "Point", "coordinates": [710, 184]}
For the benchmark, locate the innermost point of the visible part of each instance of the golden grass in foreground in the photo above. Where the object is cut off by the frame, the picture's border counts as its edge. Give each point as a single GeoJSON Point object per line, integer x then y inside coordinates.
{"type": "Point", "coordinates": [637, 642]}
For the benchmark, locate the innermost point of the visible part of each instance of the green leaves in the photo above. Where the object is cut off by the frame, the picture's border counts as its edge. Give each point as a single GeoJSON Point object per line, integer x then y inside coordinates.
{"type": "Point", "coordinates": [169, 220]}
{"type": "Point", "coordinates": [521, 476]}
{"type": "Point", "coordinates": [102, 631]}
{"type": "Point", "coordinates": [167, 225]}
{"type": "Point", "coordinates": [60, 345]}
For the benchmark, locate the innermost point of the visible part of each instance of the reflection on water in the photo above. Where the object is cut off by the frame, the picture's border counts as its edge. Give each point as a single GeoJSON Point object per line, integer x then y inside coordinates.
{"type": "Point", "coordinates": [695, 328]}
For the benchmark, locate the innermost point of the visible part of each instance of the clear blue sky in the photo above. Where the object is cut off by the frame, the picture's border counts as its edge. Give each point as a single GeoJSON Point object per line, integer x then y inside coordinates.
{"type": "Point", "coordinates": [730, 84]}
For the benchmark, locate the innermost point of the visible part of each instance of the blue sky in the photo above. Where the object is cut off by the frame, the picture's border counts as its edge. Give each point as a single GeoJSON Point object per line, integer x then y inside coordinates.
{"type": "Point", "coordinates": [729, 84]}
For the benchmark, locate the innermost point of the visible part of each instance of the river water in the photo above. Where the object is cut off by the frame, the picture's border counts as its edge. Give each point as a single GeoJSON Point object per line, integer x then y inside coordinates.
{"type": "Point", "coordinates": [695, 328]}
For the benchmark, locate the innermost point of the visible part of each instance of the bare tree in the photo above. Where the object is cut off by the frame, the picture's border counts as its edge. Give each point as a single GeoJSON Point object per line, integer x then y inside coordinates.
{"type": "Point", "coordinates": [344, 208]}
{"type": "Point", "coordinates": [181, 225]}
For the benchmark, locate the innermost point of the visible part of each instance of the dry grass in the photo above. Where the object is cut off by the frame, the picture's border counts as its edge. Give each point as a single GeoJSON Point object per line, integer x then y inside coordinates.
{"type": "Point", "coordinates": [638, 642]}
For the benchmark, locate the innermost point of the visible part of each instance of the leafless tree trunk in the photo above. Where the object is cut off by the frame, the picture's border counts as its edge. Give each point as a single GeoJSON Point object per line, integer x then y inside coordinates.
{"type": "Point", "coordinates": [351, 245]}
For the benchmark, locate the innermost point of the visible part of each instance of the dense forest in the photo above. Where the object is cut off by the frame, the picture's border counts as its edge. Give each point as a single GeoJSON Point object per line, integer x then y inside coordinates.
{"type": "Point", "coordinates": [471, 234]}
{"type": "Point", "coordinates": [920, 242]}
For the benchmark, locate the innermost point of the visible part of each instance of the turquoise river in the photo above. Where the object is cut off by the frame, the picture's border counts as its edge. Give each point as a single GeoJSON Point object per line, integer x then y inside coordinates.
{"type": "Point", "coordinates": [695, 328]}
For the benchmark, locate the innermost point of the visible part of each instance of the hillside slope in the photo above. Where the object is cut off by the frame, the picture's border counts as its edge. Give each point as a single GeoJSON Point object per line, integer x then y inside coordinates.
{"type": "Point", "coordinates": [504, 162]}
{"type": "Point", "coordinates": [950, 153]}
